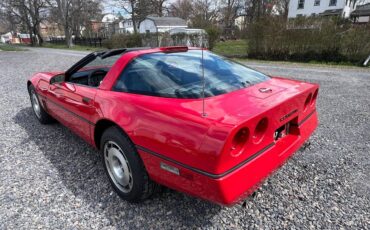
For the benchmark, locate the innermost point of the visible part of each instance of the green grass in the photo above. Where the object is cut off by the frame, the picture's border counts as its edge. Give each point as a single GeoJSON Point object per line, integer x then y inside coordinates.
{"type": "Point", "coordinates": [7, 47]}
{"type": "Point", "coordinates": [75, 47]}
{"type": "Point", "coordinates": [231, 48]}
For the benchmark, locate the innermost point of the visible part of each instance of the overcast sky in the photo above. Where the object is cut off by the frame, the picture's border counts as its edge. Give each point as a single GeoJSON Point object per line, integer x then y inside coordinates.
{"type": "Point", "coordinates": [112, 6]}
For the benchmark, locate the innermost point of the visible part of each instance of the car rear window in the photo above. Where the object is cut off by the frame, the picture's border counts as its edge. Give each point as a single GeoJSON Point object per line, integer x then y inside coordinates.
{"type": "Point", "coordinates": [180, 75]}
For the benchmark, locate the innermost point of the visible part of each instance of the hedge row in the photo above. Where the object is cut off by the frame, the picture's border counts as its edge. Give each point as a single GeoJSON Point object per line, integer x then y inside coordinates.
{"type": "Point", "coordinates": [309, 39]}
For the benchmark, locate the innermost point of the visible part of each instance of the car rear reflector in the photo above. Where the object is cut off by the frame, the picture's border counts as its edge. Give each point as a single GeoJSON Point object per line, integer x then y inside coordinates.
{"type": "Point", "coordinates": [174, 49]}
{"type": "Point", "coordinates": [239, 141]}
{"type": "Point", "coordinates": [314, 97]}
{"type": "Point", "coordinates": [307, 102]}
{"type": "Point", "coordinates": [260, 130]}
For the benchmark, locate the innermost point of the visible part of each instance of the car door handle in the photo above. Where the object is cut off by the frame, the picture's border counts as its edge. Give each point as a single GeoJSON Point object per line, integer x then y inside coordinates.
{"type": "Point", "coordinates": [86, 100]}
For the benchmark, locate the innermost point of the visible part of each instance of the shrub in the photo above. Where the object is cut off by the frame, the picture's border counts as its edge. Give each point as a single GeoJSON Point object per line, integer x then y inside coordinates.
{"type": "Point", "coordinates": [213, 35]}
{"type": "Point", "coordinates": [355, 43]}
{"type": "Point", "coordinates": [123, 40]}
{"type": "Point", "coordinates": [307, 39]}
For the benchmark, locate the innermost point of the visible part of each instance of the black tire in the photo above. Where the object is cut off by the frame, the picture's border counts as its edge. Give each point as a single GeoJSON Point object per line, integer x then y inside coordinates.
{"type": "Point", "coordinates": [40, 113]}
{"type": "Point", "coordinates": [139, 186]}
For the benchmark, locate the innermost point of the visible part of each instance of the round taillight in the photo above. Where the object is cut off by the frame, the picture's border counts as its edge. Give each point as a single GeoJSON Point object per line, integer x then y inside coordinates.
{"type": "Point", "coordinates": [260, 130]}
{"type": "Point", "coordinates": [314, 97]}
{"type": "Point", "coordinates": [307, 102]}
{"type": "Point", "coordinates": [239, 141]}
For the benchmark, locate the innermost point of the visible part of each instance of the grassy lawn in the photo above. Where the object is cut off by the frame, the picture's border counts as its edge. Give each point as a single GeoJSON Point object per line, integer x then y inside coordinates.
{"type": "Point", "coordinates": [231, 48]}
{"type": "Point", "coordinates": [75, 47]}
{"type": "Point", "coordinates": [7, 47]}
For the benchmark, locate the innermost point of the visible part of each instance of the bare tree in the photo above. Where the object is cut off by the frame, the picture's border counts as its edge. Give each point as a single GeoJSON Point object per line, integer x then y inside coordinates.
{"type": "Point", "coordinates": [157, 7]}
{"type": "Point", "coordinates": [82, 14]}
{"type": "Point", "coordinates": [256, 9]}
{"type": "Point", "coordinates": [182, 9]}
{"type": "Point", "coordinates": [74, 14]}
{"type": "Point", "coordinates": [131, 7]}
{"type": "Point", "coordinates": [229, 11]}
{"type": "Point", "coordinates": [282, 7]}
{"type": "Point", "coordinates": [30, 13]}
{"type": "Point", "coordinates": [205, 13]}
{"type": "Point", "coordinates": [8, 21]}
{"type": "Point", "coordinates": [139, 9]}
{"type": "Point", "coordinates": [64, 9]}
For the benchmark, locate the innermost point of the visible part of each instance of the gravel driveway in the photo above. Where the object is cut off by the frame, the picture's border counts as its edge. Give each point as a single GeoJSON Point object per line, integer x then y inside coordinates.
{"type": "Point", "coordinates": [49, 178]}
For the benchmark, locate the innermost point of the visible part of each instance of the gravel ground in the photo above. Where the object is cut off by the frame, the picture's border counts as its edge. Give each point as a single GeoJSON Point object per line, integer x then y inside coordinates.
{"type": "Point", "coordinates": [50, 178]}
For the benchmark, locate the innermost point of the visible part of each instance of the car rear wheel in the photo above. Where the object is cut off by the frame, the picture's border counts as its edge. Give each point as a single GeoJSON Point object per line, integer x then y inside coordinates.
{"type": "Point", "coordinates": [37, 108]}
{"type": "Point", "coordinates": [124, 166]}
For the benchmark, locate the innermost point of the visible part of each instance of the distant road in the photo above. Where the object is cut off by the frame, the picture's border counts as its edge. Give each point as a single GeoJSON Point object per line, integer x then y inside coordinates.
{"type": "Point", "coordinates": [63, 52]}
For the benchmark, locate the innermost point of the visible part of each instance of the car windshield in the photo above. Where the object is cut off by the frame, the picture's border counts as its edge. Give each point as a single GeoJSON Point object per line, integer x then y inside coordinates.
{"type": "Point", "coordinates": [180, 75]}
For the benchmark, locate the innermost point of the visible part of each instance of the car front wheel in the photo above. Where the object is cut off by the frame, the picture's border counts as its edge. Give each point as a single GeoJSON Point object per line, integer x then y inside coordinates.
{"type": "Point", "coordinates": [124, 166]}
{"type": "Point", "coordinates": [39, 111]}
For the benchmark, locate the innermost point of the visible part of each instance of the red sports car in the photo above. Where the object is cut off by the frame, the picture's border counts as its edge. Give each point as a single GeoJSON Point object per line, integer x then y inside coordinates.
{"type": "Point", "coordinates": [181, 117]}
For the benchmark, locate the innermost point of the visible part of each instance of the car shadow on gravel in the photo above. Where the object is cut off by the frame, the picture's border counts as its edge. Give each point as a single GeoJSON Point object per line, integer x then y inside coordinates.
{"type": "Point", "coordinates": [80, 170]}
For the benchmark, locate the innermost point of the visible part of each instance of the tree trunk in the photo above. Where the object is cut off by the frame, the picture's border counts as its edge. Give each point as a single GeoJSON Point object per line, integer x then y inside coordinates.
{"type": "Point", "coordinates": [68, 36]}
{"type": "Point", "coordinates": [133, 21]}
{"type": "Point", "coordinates": [31, 37]}
{"type": "Point", "coordinates": [41, 40]}
{"type": "Point", "coordinates": [36, 36]}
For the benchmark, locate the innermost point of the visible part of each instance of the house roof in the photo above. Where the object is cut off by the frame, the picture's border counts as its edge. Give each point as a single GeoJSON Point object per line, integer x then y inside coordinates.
{"type": "Point", "coordinates": [332, 12]}
{"type": "Point", "coordinates": [167, 21]}
{"type": "Point", "coordinates": [363, 10]}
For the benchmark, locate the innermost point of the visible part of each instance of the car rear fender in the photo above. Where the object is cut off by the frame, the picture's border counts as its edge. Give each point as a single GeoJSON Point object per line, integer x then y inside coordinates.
{"type": "Point", "coordinates": [248, 134]}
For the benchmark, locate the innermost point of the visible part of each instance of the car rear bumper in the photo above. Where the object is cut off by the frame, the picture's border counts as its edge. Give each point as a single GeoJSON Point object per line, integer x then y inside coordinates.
{"type": "Point", "coordinates": [231, 187]}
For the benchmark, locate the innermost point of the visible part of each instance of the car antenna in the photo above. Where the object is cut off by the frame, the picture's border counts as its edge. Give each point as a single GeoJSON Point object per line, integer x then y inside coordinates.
{"type": "Point", "coordinates": [203, 79]}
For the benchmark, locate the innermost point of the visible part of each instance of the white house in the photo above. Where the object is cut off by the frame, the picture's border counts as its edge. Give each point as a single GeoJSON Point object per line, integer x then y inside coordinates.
{"type": "Point", "coordinates": [362, 13]}
{"type": "Point", "coordinates": [125, 26]}
{"type": "Point", "coordinates": [108, 19]}
{"type": "Point", "coordinates": [128, 26]}
{"type": "Point", "coordinates": [341, 8]}
{"type": "Point", "coordinates": [240, 21]}
{"type": "Point", "coordinates": [6, 37]}
{"type": "Point", "coordinates": [161, 24]}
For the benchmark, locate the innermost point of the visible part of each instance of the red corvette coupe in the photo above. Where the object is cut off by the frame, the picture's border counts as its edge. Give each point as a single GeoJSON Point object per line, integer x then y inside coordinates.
{"type": "Point", "coordinates": [181, 117]}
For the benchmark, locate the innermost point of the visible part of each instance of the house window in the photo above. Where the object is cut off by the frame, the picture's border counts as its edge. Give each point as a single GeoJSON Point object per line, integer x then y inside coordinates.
{"type": "Point", "coordinates": [301, 4]}
{"type": "Point", "coordinates": [317, 3]}
{"type": "Point", "coordinates": [333, 3]}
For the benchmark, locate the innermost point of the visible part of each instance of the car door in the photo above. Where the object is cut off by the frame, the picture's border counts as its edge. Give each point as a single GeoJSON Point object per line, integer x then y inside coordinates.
{"type": "Point", "coordinates": [73, 105]}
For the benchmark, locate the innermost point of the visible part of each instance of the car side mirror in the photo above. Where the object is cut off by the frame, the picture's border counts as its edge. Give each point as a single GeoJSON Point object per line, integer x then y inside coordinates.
{"type": "Point", "coordinates": [57, 79]}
